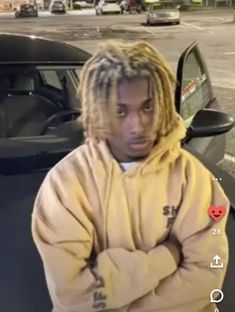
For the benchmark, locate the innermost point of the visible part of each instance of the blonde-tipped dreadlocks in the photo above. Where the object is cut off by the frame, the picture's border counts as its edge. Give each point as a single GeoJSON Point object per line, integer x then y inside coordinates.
{"type": "Point", "coordinates": [115, 61]}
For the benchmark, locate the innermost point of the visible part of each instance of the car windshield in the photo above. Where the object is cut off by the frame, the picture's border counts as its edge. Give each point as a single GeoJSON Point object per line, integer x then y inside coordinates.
{"type": "Point", "coordinates": [164, 5]}
{"type": "Point", "coordinates": [30, 95]}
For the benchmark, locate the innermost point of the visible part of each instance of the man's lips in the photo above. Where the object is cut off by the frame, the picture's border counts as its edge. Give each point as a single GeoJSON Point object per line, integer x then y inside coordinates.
{"type": "Point", "coordinates": [138, 140]}
{"type": "Point", "coordinates": [139, 144]}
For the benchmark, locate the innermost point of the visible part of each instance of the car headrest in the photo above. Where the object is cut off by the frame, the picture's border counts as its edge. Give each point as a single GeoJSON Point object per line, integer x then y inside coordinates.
{"type": "Point", "coordinates": [4, 83]}
{"type": "Point", "coordinates": [23, 83]}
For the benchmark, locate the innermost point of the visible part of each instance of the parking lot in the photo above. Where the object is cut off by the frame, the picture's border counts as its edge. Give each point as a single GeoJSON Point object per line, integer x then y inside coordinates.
{"type": "Point", "coordinates": [213, 29]}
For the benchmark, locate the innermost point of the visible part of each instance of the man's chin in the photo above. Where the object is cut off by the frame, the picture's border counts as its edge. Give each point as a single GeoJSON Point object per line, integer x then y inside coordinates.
{"type": "Point", "coordinates": [138, 155]}
{"type": "Point", "coordinates": [140, 150]}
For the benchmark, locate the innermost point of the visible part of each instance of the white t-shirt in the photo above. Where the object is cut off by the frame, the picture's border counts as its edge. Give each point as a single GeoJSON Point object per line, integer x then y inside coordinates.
{"type": "Point", "coordinates": [126, 165]}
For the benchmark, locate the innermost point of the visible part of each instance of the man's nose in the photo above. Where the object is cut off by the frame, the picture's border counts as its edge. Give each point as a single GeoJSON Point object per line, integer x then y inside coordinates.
{"type": "Point", "coordinates": [137, 124]}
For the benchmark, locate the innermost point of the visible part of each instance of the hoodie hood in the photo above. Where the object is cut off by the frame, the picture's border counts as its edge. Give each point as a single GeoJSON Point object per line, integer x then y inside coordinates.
{"type": "Point", "coordinates": [164, 151]}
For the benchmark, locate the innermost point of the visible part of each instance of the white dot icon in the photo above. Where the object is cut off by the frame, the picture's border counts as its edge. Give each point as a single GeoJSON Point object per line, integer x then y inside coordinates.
{"type": "Point", "coordinates": [216, 179]}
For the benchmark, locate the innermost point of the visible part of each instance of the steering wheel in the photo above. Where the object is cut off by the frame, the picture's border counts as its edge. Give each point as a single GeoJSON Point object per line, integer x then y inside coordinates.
{"type": "Point", "coordinates": [60, 117]}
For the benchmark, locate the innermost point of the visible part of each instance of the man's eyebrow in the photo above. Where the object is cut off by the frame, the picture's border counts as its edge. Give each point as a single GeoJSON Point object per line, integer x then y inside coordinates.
{"type": "Point", "coordinates": [122, 104]}
{"type": "Point", "coordinates": [148, 100]}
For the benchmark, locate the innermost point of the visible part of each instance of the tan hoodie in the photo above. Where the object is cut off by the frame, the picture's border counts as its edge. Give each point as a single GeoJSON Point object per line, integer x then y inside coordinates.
{"type": "Point", "coordinates": [99, 231]}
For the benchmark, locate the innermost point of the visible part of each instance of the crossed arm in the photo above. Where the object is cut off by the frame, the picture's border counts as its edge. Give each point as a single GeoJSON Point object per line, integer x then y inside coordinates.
{"type": "Point", "coordinates": [189, 288]}
{"type": "Point", "coordinates": [119, 277]}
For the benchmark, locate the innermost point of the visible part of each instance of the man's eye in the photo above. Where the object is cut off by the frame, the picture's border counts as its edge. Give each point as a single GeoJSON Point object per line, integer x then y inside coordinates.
{"type": "Point", "coordinates": [120, 112]}
{"type": "Point", "coordinates": [148, 108]}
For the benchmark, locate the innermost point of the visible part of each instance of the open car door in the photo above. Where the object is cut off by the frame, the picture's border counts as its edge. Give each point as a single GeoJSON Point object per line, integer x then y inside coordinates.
{"type": "Point", "coordinates": [194, 93]}
{"type": "Point", "coordinates": [196, 103]}
{"type": "Point", "coordinates": [206, 123]}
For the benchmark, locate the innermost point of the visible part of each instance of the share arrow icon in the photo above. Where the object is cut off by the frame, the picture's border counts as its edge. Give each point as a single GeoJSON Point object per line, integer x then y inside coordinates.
{"type": "Point", "coordinates": [216, 263]}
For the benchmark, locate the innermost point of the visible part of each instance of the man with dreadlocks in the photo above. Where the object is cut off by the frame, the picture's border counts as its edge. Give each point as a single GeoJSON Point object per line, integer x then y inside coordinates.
{"type": "Point", "coordinates": [121, 223]}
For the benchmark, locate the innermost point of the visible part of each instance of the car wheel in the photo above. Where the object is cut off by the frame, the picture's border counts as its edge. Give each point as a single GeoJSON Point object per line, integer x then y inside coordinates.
{"type": "Point", "coordinates": [177, 23]}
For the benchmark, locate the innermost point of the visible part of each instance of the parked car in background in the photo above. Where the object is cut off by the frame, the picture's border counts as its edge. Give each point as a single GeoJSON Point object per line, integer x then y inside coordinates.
{"type": "Point", "coordinates": [108, 7]}
{"type": "Point", "coordinates": [38, 127]}
{"type": "Point", "coordinates": [129, 6]}
{"type": "Point", "coordinates": [57, 6]}
{"type": "Point", "coordinates": [78, 5]}
{"type": "Point", "coordinates": [163, 12]}
{"type": "Point", "coordinates": [26, 10]}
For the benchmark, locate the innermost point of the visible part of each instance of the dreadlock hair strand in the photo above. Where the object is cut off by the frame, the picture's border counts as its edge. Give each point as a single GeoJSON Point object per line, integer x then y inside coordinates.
{"type": "Point", "coordinates": [100, 77]}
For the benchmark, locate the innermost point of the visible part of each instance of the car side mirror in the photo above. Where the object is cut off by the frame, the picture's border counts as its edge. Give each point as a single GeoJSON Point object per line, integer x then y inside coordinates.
{"type": "Point", "coordinates": [209, 122]}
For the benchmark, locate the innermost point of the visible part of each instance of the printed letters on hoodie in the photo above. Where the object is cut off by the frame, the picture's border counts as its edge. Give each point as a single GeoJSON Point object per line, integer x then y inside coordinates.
{"type": "Point", "coordinates": [99, 231]}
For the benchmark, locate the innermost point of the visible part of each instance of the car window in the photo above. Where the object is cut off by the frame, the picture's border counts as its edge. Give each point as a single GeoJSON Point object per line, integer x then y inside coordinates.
{"type": "Point", "coordinates": [29, 96]}
{"type": "Point", "coordinates": [78, 72]}
{"type": "Point", "coordinates": [59, 85]}
{"type": "Point", "coordinates": [195, 87]}
{"type": "Point", "coordinates": [51, 78]}
{"type": "Point", "coordinates": [164, 5]}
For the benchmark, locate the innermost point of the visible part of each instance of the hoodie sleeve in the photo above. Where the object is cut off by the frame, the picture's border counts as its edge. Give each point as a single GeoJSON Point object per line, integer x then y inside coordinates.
{"type": "Point", "coordinates": [189, 288]}
{"type": "Point", "coordinates": [64, 237]}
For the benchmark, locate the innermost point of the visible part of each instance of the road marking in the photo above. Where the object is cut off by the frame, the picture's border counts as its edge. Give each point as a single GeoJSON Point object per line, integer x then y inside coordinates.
{"type": "Point", "coordinates": [229, 53]}
{"type": "Point", "coordinates": [223, 78]}
{"type": "Point", "coordinates": [150, 31]}
{"type": "Point", "coordinates": [229, 158]}
{"type": "Point", "coordinates": [193, 26]}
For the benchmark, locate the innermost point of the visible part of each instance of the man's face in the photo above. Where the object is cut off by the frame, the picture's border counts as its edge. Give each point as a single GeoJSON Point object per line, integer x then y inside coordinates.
{"type": "Point", "coordinates": [132, 135]}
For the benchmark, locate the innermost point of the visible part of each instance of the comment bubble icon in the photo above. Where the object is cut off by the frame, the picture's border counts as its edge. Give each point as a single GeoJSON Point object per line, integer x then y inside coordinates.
{"type": "Point", "coordinates": [216, 296]}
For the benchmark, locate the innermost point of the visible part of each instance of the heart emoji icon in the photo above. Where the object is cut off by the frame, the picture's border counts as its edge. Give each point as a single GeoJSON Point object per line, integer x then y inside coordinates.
{"type": "Point", "coordinates": [216, 213]}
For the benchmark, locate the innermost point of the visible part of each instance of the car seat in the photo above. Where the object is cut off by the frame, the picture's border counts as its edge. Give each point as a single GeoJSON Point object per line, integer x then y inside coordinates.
{"type": "Point", "coordinates": [26, 115]}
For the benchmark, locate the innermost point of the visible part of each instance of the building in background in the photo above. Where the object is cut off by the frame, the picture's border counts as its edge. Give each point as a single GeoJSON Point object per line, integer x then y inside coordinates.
{"type": "Point", "coordinates": [10, 5]}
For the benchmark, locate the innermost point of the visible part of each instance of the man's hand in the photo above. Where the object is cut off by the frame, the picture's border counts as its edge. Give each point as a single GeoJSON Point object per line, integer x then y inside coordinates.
{"type": "Point", "coordinates": [175, 248]}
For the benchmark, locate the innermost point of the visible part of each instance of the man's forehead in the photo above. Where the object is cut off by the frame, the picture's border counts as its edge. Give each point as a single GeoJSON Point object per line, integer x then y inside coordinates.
{"type": "Point", "coordinates": [143, 100]}
{"type": "Point", "coordinates": [134, 80]}
{"type": "Point", "coordinates": [136, 89]}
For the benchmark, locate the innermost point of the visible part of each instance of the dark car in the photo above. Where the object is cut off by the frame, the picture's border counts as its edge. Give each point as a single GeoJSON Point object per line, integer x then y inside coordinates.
{"type": "Point", "coordinates": [26, 10]}
{"type": "Point", "coordinates": [38, 127]}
